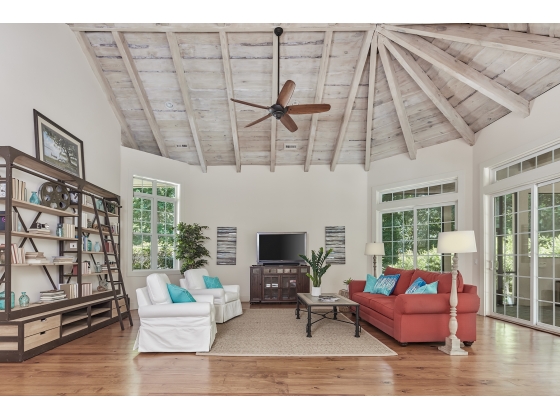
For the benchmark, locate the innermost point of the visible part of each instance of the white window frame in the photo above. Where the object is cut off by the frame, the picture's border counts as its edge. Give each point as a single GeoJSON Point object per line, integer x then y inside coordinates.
{"type": "Point", "coordinates": [379, 237]}
{"type": "Point", "coordinates": [154, 198]}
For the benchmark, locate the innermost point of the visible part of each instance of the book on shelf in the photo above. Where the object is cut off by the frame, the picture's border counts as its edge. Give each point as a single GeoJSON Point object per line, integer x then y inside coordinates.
{"type": "Point", "coordinates": [109, 247]}
{"type": "Point", "coordinates": [43, 231]}
{"type": "Point", "coordinates": [52, 295]}
{"type": "Point", "coordinates": [86, 268]}
{"type": "Point", "coordinates": [71, 290]}
{"type": "Point", "coordinates": [68, 230]}
{"type": "Point", "coordinates": [87, 289]}
{"type": "Point", "coordinates": [18, 255]}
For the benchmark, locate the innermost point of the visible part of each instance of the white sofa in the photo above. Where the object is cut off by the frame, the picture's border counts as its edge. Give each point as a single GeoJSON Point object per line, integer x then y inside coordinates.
{"type": "Point", "coordinates": [227, 301]}
{"type": "Point", "coordinates": [173, 327]}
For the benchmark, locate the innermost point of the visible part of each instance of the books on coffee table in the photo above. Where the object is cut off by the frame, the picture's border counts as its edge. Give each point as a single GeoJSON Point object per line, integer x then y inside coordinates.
{"type": "Point", "coordinates": [328, 298]}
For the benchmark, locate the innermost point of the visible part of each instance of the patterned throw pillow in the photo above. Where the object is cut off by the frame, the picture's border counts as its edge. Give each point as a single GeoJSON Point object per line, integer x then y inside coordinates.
{"type": "Point", "coordinates": [212, 282]}
{"type": "Point", "coordinates": [179, 295]}
{"type": "Point", "coordinates": [428, 289]}
{"type": "Point", "coordinates": [418, 283]}
{"type": "Point", "coordinates": [386, 284]}
{"type": "Point", "coordinates": [370, 283]}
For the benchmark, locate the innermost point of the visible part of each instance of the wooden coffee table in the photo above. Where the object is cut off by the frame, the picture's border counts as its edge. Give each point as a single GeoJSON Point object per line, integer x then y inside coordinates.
{"type": "Point", "coordinates": [313, 301]}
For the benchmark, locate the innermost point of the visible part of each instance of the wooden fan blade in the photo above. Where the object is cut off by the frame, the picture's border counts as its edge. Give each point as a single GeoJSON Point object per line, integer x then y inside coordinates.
{"type": "Point", "coordinates": [288, 123]}
{"type": "Point", "coordinates": [307, 108]}
{"type": "Point", "coordinates": [259, 120]}
{"type": "Point", "coordinates": [286, 93]}
{"type": "Point", "coordinates": [250, 104]}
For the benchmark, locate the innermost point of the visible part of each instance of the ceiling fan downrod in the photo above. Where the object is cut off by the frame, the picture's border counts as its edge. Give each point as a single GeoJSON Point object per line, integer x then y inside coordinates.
{"type": "Point", "coordinates": [278, 31]}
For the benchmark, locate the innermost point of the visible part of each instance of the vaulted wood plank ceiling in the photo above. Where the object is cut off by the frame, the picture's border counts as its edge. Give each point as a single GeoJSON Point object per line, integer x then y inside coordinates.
{"type": "Point", "coordinates": [430, 84]}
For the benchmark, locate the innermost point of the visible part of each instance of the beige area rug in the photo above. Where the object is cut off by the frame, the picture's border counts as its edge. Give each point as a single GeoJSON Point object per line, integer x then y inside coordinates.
{"type": "Point", "coordinates": [277, 332]}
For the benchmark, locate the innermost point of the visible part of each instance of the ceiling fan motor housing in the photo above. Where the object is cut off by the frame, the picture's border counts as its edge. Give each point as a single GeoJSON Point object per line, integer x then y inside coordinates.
{"type": "Point", "coordinates": [277, 111]}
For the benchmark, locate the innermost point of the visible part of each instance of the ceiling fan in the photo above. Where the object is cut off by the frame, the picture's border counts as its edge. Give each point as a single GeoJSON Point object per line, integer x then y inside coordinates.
{"type": "Point", "coordinates": [281, 110]}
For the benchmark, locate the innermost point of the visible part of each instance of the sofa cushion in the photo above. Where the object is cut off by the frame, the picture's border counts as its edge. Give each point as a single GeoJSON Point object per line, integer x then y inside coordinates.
{"type": "Point", "coordinates": [179, 295]}
{"type": "Point", "coordinates": [157, 289]}
{"type": "Point", "coordinates": [231, 296]}
{"type": "Point", "coordinates": [404, 280]}
{"type": "Point", "coordinates": [212, 282]}
{"type": "Point", "coordinates": [385, 305]}
{"type": "Point", "coordinates": [194, 278]}
{"type": "Point", "coordinates": [427, 289]}
{"type": "Point", "coordinates": [386, 284]}
{"type": "Point", "coordinates": [370, 283]}
{"type": "Point", "coordinates": [443, 278]}
{"type": "Point", "coordinates": [416, 284]}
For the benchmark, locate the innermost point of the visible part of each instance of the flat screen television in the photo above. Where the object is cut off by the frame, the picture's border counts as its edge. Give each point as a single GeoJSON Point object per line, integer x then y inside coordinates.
{"type": "Point", "coordinates": [281, 248]}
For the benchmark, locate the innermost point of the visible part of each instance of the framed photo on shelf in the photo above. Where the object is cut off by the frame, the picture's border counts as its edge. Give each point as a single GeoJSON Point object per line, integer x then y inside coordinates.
{"type": "Point", "coordinates": [58, 147]}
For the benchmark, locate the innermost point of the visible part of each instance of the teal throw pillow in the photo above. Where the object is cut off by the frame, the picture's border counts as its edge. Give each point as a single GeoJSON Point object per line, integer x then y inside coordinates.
{"type": "Point", "coordinates": [370, 283]}
{"type": "Point", "coordinates": [386, 284]}
{"type": "Point", "coordinates": [179, 295]}
{"type": "Point", "coordinates": [416, 284]}
{"type": "Point", "coordinates": [428, 289]}
{"type": "Point", "coordinates": [212, 282]}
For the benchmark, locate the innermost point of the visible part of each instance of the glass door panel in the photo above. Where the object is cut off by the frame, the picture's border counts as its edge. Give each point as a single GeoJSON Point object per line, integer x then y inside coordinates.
{"type": "Point", "coordinates": [271, 287]}
{"type": "Point", "coordinates": [512, 255]}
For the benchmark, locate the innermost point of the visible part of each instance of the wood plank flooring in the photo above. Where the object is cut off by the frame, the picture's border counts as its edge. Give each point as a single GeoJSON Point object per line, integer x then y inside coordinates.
{"type": "Point", "coordinates": [505, 360]}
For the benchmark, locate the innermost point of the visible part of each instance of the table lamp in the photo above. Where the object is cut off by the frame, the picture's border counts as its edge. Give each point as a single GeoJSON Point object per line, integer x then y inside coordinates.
{"type": "Point", "coordinates": [456, 242]}
{"type": "Point", "coordinates": [375, 249]}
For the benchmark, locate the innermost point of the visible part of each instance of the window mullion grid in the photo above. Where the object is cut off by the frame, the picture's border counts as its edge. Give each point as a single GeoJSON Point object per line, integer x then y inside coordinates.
{"type": "Point", "coordinates": [534, 254]}
{"type": "Point", "coordinates": [415, 238]}
{"type": "Point", "coordinates": [154, 238]}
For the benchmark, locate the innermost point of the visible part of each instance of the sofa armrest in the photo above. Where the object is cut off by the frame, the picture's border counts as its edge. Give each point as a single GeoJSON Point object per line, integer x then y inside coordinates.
{"type": "Point", "coordinates": [469, 288]}
{"type": "Point", "coordinates": [176, 310]}
{"type": "Point", "coordinates": [216, 293]}
{"type": "Point", "coordinates": [204, 298]}
{"type": "Point", "coordinates": [235, 288]}
{"type": "Point", "coordinates": [435, 304]}
{"type": "Point", "coordinates": [355, 287]}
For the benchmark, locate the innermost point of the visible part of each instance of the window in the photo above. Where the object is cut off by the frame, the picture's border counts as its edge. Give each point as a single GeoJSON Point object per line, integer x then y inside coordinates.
{"type": "Point", "coordinates": [448, 187]}
{"type": "Point", "coordinates": [410, 237]}
{"type": "Point", "coordinates": [154, 217]}
{"type": "Point", "coordinates": [527, 164]}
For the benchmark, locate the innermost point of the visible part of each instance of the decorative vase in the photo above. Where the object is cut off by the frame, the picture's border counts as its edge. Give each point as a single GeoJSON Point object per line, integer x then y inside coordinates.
{"type": "Point", "coordinates": [24, 300]}
{"type": "Point", "coordinates": [316, 291]}
{"type": "Point", "coordinates": [88, 245]}
{"type": "Point", "coordinates": [34, 199]}
{"type": "Point", "coordinates": [2, 301]}
{"type": "Point", "coordinates": [97, 247]}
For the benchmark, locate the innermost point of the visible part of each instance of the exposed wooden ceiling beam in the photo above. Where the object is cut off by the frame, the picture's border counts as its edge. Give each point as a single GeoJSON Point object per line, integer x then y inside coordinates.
{"type": "Point", "coordinates": [430, 89]}
{"type": "Point", "coordinates": [327, 43]}
{"type": "Point", "coordinates": [520, 42]}
{"type": "Point", "coordinates": [275, 61]}
{"type": "Point", "coordinates": [397, 100]}
{"type": "Point", "coordinates": [362, 57]}
{"type": "Point", "coordinates": [231, 104]}
{"type": "Point", "coordinates": [219, 27]}
{"type": "Point", "coordinates": [180, 71]}
{"type": "Point", "coordinates": [371, 96]}
{"type": "Point", "coordinates": [460, 71]}
{"type": "Point", "coordinates": [128, 61]}
{"type": "Point", "coordinates": [98, 71]}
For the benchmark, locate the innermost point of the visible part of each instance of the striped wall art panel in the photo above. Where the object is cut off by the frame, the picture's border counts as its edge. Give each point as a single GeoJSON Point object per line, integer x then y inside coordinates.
{"type": "Point", "coordinates": [335, 239]}
{"type": "Point", "coordinates": [227, 246]}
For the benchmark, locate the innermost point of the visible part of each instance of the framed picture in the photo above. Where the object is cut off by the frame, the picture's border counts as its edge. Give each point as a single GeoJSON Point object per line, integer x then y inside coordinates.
{"type": "Point", "coordinates": [58, 147]}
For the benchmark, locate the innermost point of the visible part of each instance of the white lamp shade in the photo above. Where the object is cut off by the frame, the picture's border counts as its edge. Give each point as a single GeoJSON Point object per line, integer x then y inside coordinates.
{"type": "Point", "coordinates": [375, 248]}
{"type": "Point", "coordinates": [460, 241]}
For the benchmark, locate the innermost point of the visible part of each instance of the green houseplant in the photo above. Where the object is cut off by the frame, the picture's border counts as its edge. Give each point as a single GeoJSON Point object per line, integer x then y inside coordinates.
{"type": "Point", "coordinates": [347, 282]}
{"type": "Point", "coordinates": [318, 268]}
{"type": "Point", "coordinates": [190, 247]}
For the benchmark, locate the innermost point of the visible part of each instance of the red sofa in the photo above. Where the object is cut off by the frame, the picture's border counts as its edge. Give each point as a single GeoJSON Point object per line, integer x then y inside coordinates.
{"type": "Point", "coordinates": [418, 318]}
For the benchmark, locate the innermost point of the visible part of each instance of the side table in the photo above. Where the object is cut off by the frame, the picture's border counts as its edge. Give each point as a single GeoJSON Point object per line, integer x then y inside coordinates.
{"type": "Point", "coordinates": [344, 293]}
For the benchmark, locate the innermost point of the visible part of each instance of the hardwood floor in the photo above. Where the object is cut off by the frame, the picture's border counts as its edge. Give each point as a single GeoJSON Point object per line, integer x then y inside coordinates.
{"type": "Point", "coordinates": [505, 360]}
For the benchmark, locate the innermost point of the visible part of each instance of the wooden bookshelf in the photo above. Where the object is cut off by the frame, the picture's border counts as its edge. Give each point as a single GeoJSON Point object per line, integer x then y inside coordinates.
{"type": "Point", "coordinates": [60, 321]}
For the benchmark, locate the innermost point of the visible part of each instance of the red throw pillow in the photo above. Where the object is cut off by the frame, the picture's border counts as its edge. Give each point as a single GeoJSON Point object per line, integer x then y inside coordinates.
{"type": "Point", "coordinates": [444, 285]}
{"type": "Point", "coordinates": [404, 280]}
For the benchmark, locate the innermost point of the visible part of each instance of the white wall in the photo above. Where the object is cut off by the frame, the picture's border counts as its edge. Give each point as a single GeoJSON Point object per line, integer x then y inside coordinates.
{"type": "Point", "coordinates": [504, 140]}
{"type": "Point", "coordinates": [43, 68]}
{"type": "Point", "coordinates": [450, 159]}
{"type": "Point", "coordinates": [287, 200]}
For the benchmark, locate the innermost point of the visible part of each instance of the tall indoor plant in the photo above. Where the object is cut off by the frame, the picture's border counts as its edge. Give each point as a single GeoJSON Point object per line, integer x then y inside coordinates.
{"type": "Point", "coordinates": [318, 268]}
{"type": "Point", "coordinates": [190, 247]}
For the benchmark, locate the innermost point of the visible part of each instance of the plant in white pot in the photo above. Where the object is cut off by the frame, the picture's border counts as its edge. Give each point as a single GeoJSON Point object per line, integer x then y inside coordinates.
{"type": "Point", "coordinates": [318, 268]}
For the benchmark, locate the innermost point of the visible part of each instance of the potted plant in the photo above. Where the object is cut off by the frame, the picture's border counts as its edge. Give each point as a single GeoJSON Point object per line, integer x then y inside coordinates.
{"type": "Point", "coordinates": [189, 247]}
{"type": "Point", "coordinates": [347, 282]}
{"type": "Point", "coordinates": [318, 268]}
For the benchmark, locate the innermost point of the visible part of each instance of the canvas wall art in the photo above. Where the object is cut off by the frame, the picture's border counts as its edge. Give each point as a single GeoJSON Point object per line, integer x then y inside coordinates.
{"type": "Point", "coordinates": [335, 238]}
{"type": "Point", "coordinates": [227, 246]}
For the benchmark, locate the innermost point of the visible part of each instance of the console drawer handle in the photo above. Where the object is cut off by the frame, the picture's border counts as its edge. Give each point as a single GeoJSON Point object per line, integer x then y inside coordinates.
{"type": "Point", "coordinates": [41, 333]}
{"type": "Point", "coordinates": [43, 319]}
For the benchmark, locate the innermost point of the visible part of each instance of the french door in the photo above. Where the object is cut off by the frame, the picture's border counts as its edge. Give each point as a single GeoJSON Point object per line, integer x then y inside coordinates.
{"type": "Point", "coordinates": [526, 280]}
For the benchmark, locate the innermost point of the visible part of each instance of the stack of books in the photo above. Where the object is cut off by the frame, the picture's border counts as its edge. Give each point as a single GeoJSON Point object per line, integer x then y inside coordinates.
{"type": "Point", "coordinates": [68, 230]}
{"type": "Point", "coordinates": [109, 247]}
{"type": "Point", "coordinates": [86, 269]}
{"type": "Point", "coordinates": [61, 259]}
{"type": "Point", "coordinates": [87, 289]}
{"type": "Point", "coordinates": [328, 298]}
{"type": "Point", "coordinates": [19, 192]}
{"type": "Point", "coordinates": [52, 296]}
{"type": "Point", "coordinates": [18, 255]}
{"type": "Point", "coordinates": [40, 231]}
{"type": "Point", "coordinates": [71, 290]}
{"type": "Point", "coordinates": [35, 258]}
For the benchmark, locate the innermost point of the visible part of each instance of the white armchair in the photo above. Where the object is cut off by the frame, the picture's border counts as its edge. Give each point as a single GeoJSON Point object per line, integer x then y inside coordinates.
{"type": "Point", "coordinates": [226, 301]}
{"type": "Point", "coordinates": [173, 327]}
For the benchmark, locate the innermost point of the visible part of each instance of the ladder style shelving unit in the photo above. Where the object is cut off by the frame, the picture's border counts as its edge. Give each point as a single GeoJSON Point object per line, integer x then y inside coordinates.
{"type": "Point", "coordinates": [26, 332]}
